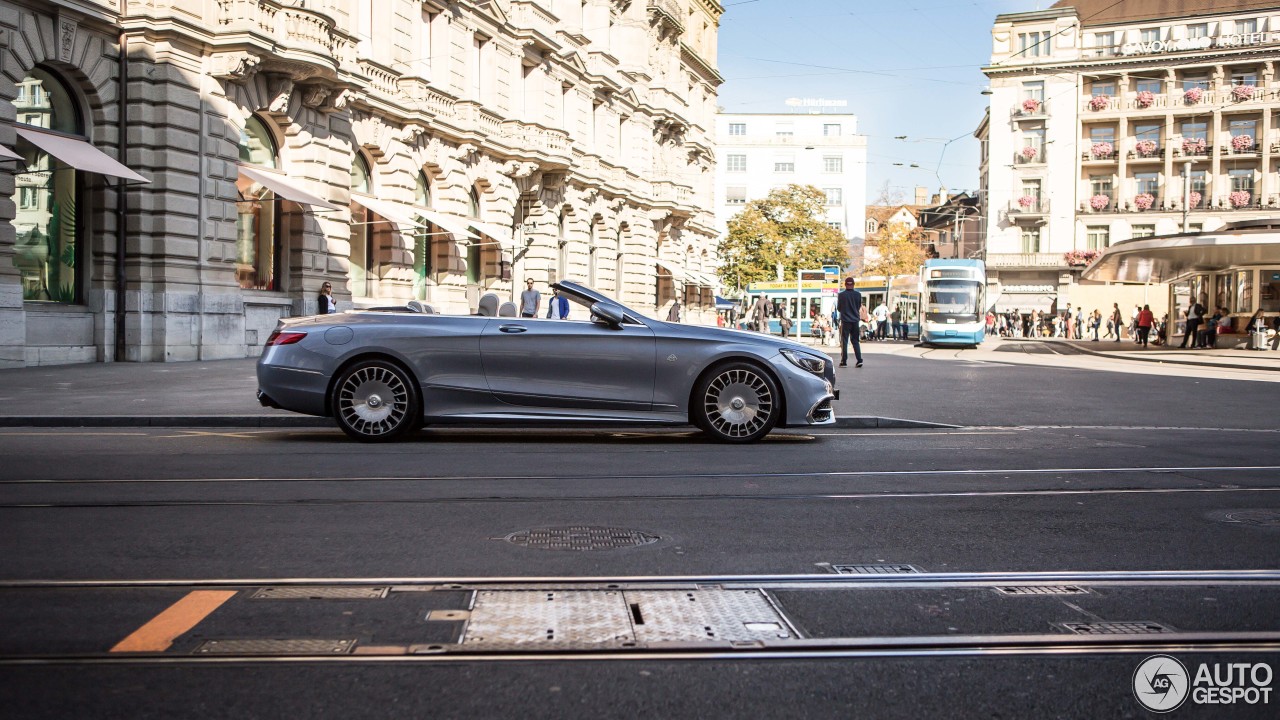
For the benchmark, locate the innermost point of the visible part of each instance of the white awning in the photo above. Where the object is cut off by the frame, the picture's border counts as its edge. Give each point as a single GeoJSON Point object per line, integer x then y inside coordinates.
{"type": "Point", "coordinates": [1167, 259]}
{"type": "Point", "coordinates": [674, 271]}
{"type": "Point", "coordinates": [7, 154]}
{"type": "Point", "coordinates": [704, 279]}
{"type": "Point", "coordinates": [283, 186]}
{"type": "Point", "coordinates": [493, 231]}
{"type": "Point", "coordinates": [453, 224]}
{"type": "Point", "coordinates": [398, 213]}
{"type": "Point", "coordinates": [77, 153]}
{"type": "Point", "coordinates": [1024, 302]}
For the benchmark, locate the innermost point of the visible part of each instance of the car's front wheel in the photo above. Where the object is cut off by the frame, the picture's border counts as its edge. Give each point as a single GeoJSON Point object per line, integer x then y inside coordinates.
{"type": "Point", "coordinates": [375, 401]}
{"type": "Point", "coordinates": [736, 403]}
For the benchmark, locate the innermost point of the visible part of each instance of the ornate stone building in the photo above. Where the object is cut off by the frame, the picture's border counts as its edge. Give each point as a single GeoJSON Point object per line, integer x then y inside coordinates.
{"type": "Point", "coordinates": [400, 149]}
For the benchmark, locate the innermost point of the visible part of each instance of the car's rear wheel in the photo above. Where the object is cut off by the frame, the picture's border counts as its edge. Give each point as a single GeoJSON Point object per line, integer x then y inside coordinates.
{"type": "Point", "coordinates": [736, 403]}
{"type": "Point", "coordinates": [375, 401]}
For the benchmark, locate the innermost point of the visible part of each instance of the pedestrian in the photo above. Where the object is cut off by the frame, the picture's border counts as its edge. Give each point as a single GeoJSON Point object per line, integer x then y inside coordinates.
{"type": "Point", "coordinates": [558, 307]}
{"type": "Point", "coordinates": [1195, 315]}
{"type": "Point", "coordinates": [761, 315]}
{"type": "Point", "coordinates": [895, 318]}
{"type": "Point", "coordinates": [530, 300]}
{"type": "Point", "coordinates": [673, 315]}
{"type": "Point", "coordinates": [1080, 322]}
{"type": "Point", "coordinates": [1133, 323]}
{"type": "Point", "coordinates": [1117, 320]}
{"type": "Point", "coordinates": [1070, 322]}
{"type": "Point", "coordinates": [881, 315]}
{"type": "Point", "coordinates": [784, 320]}
{"type": "Point", "coordinates": [1211, 328]}
{"type": "Point", "coordinates": [1144, 322]}
{"type": "Point", "coordinates": [1096, 322]}
{"type": "Point", "coordinates": [325, 302]}
{"type": "Point", "coordinates": [849, 307]}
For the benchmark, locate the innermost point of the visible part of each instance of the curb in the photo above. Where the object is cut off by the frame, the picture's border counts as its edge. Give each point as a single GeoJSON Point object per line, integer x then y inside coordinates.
{"type": "Point", "coordinates": [307, 421]}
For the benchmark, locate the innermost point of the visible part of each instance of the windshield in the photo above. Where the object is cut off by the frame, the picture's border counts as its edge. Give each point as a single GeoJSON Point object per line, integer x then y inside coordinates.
{"type": "Point", "coordinates": [952, 300]}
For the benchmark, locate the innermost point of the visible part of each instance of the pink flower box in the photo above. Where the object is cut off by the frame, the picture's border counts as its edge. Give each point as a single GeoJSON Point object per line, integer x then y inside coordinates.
{"type": "Point", "coordinates": [1026, 201]}
{"type": "Point", "coordinates": [1029, 153]}
{"type": "Point", "coordinates": [1144, 201]}
{"type": "Point", "coordinates": [1030, 105]}
{"type": "Point", "coordinates": [1102, 150]}
{"type": "Point", "coordinates": [1146, 148]}
{"type": "Point", "coordinates": [1240, 93]}
{"type": "Point", "coordinates": [1146, 99]}
{"type": "Point", "coordinates": [1080, 257]}
{"type": "Point", "coordinates": [1240, 198]}
{"type": "Point", "coordinates": [1099, 102]}
{"type": "Point", "coordinates": [1242, 143]}
{"type": "Point", "coordinates": [1193, 95]}
{"type": "Point", "coordinates": [1099, 202]}
{"type": "Point", "coordinates": [1194, 198]}
{"type": "Point", "coordinates": [1193, 145]}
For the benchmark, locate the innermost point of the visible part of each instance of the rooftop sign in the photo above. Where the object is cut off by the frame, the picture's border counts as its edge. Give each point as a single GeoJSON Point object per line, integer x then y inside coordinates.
{"type": "Point", "coordinates": [1203, 43]}
{"type": "Point", "coordinates": [816, 102]}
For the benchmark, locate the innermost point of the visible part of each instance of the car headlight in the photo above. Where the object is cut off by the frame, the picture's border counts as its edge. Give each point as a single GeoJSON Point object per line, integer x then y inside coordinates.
{"type": "Point", "coordinates": [805, 361]}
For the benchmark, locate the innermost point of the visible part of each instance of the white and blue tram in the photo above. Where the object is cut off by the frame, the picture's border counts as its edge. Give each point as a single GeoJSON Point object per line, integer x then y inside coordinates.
{"type": "Point", "coordinates": [953, 301]}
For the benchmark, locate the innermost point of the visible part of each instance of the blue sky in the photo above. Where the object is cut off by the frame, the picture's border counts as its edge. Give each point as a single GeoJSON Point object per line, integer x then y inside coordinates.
{"type": "Point", "coordinates": [907, 67]}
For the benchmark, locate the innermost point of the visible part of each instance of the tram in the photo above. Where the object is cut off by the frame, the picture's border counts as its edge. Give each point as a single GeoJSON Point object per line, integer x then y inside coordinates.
{"type": "Point", "coordinates": [954, 302]}
{"type": "Point", "coordinates": [814, 298]}
{"type": "Point", "coordinates": [903, 294]}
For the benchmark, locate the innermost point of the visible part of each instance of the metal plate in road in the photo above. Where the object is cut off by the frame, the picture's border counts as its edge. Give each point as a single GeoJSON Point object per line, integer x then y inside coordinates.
{"type": "Point", "coordinates": [555, 617]}
{"type": "Point", "coordinates": [706, 615]}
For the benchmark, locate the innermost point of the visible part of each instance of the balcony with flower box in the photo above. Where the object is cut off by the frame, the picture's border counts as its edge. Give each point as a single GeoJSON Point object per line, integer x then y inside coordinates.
{"type": "Point", "coordinates": [1192, 148]}
{"type": "Point", "coordinates": [1146, 151]}
{"type": "Point", "coordinates": [1143, 202]}
{"type": "Point", "coordinates": [1147, 100]}
{"type": "Point", "coordinates": [1241, 200]}
{"type": "Point", "coordinates": [1028, 209]}
{"type": "Point", "coordinates": [1030, 109]}
{"type": "Point", "coordinates": [1099, 203]}
{"type": "Point", "coordinates": [1101, 104]}
{"type": "Point", "coordinates": [1029, 156]}
{"type": "Point", "coordinates": [1241, 146]}
{"type": "Point", "coordinates": [1099, 153]}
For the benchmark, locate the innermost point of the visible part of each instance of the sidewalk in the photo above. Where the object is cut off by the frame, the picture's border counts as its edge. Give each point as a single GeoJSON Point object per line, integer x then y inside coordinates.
{"type": "Point", "coordinates": [1267, 360]}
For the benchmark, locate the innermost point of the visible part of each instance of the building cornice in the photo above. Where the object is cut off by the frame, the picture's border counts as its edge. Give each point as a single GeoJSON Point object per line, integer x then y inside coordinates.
{"type": "Point", "coordinates": [1114, 64]}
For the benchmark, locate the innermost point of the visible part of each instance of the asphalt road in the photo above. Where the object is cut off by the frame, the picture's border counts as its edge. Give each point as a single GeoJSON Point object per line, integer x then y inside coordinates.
{"type": "Point", "coordinates": [1151, 496]}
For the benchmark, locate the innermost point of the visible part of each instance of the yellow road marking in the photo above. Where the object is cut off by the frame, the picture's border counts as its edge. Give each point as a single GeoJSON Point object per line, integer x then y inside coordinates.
{"type": "Point", "coordinates": [160, 632]}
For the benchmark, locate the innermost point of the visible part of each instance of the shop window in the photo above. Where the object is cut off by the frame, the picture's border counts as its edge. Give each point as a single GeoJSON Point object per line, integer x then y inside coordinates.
{"type": "Point", "coordinates": [258, 226]}
{"type": "Point", "coordinates": [1244, 290]}
{"type": "Point", "coordinates": [46, 193]}
{"type": "Point", "coordinates": [1269, 284]}
{"type": "Point", "coordinates": [424, 246]}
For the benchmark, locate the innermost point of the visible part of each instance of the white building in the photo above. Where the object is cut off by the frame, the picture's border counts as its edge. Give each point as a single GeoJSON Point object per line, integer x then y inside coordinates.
{"type": "Point", "coordinates": [756, 153]}
{"type": "Point", "coordinates": [1106, 118]}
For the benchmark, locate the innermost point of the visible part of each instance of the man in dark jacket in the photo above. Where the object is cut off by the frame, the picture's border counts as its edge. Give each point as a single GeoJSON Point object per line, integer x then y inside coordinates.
{"type": "Point", "coordinates": [849, 305]}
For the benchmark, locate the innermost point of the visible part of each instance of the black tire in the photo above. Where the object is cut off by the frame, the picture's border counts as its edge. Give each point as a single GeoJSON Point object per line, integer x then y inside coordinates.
{"type": "Point", "coordinates": [736, 403]}
{"type": "Point", "coordinates": [376, 401]}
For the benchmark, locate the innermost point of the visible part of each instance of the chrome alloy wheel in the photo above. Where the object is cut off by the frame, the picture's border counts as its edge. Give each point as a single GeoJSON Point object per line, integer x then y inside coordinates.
{"type": "Point", "coordinates": [373, 401]}
{"type": "Point", "coordinates": [739, 404]}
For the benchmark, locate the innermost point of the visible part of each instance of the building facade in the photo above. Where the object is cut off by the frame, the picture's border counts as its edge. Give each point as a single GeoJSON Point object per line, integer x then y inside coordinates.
{"type": "Point", "coordinates": [400, 149]}
{"type": "Point", "coordinates": [757, 152]}
{"type": "Point", "coordinates": [1112, 121]}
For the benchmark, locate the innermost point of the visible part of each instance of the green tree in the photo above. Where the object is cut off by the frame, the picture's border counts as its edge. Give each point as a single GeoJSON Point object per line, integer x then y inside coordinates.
{"type": "Point", "coordinates": [899, 248]}
{"type": "Point", "coordinates": [785, 230]}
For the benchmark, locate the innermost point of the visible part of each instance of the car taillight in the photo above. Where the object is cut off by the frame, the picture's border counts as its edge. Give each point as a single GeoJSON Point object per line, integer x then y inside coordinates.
{"type": "Point", "coordinates": [284, 338]}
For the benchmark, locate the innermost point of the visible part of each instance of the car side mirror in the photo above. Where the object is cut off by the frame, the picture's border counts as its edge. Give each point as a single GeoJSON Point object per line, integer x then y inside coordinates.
{"type": "Point", "coordinates": [607, 313]}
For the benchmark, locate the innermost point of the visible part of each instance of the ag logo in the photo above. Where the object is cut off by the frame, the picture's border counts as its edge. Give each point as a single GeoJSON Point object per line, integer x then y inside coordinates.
{"type": "Point", "coordinates": [1160, 683]}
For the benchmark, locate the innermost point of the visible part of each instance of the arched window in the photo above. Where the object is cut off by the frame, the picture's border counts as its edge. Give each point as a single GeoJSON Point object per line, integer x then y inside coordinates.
{"type": "Point", "coordinates": [362, 252]}
{"type": "Point", "coordinates": [46, 193]}
{"type": "Point", "coordinates": [591, 250]}
{"type": "Point", "coordinates": [258, 250]}
{"type": "Point", "coordinates": [475, 251]}
{"type": "Point", "coordinates": [424, 247]}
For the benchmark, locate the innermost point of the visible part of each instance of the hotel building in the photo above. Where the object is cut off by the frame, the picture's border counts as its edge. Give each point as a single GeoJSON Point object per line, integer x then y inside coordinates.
{"type": "Point", "coordinates": [1112, 121]}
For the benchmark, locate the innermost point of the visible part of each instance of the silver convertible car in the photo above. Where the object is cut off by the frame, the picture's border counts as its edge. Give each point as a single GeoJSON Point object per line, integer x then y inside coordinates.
{"type": "Point", "coordinates": [385, 372]}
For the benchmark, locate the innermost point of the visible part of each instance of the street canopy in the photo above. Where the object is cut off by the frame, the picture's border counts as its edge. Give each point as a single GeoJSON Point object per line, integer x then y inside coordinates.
{"type": "Point", "coordinates": [1173, 257]}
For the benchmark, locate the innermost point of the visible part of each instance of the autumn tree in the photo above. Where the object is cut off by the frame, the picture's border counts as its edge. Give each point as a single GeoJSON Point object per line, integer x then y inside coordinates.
{"type": "Point", "coordinates": [898, 247]}
{"type": "Point", "coordinates": [779, 235]}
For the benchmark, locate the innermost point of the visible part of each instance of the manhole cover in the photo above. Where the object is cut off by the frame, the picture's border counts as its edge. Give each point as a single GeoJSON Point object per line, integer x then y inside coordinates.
{"type": "Point", "coordinates": [580, 537]}
{"type": "Point", "coordinates": [1255, 517]}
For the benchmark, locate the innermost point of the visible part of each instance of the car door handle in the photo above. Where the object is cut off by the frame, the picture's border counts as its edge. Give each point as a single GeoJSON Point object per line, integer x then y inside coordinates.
{"type": "Point", "coordinates": [512, 328]}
